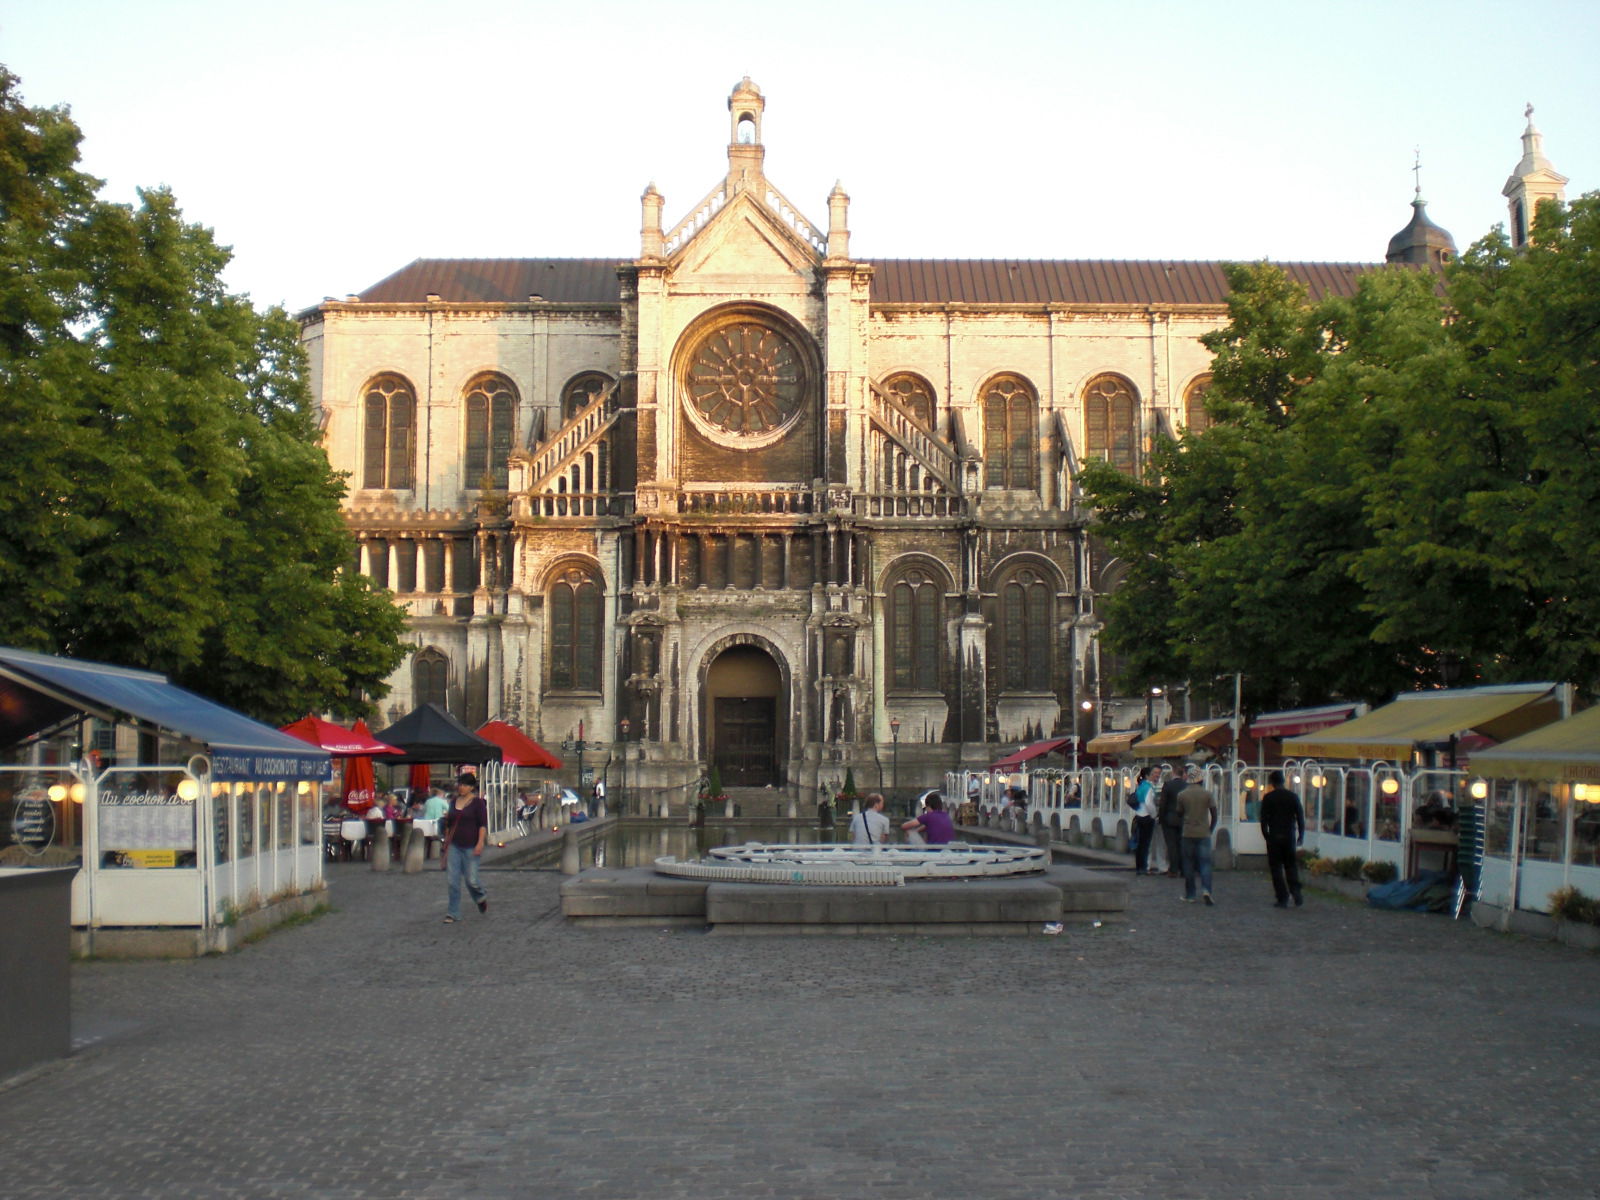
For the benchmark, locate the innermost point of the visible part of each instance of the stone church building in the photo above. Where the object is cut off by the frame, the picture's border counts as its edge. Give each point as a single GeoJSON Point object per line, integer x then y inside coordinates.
{"type": "Point", "coordinates": [779, 508]}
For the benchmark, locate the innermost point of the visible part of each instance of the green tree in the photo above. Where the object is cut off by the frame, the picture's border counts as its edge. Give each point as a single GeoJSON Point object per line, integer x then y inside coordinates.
{"type": "Point", "coordinates": [1398, 489]}
{"type": "Point", "coordinates": [165, 502]}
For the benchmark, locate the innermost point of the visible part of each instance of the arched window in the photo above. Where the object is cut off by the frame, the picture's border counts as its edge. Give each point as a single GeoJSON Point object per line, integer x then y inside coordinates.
{"type": "Point", "coordinates": [1010, 433]}
{"type": "Point", "coordinates": [1194, 405]}
{"type": "Point", "coordinates": [582, 391]}
{"type": "Point", "coordinates": [574, 616]}
{"type": "Point", "coordinates": [914, 632]}
{"type": "Point", "coordinates": [430, 678]}
{"type": "Point", "coordinates": [1111, 421]}
{"type": "Point", "coordinates": [391, 433]}
{"type": "Point", "coordinates": [1026, 617]}
{"type": "Point", "coordinates": [913, 394]}
{"type": "Point", "coordinates": [491, 403]}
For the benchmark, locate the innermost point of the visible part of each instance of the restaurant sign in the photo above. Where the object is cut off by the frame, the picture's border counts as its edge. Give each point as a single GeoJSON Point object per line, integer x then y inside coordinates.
{"type": "Point", "coordinates": [239, 766]}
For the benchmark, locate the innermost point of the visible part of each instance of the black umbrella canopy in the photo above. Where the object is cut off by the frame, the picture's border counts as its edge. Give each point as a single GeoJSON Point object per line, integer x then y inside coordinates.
{"type": "Point", "coordinates": [428, 734]}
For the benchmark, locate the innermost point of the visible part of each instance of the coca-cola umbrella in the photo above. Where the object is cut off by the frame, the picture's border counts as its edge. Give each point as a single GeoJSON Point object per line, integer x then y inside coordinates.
{"type": "Point", "coordinates": [360, 787]}
{"type": "Point", "coordinates": [336, 739]}
{"type": "Point", "coordinates": [356, 746]}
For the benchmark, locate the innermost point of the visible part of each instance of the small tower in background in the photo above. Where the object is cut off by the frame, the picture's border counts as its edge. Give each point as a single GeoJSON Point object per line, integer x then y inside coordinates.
{"type": "Point", "coordinates": [1421, 241]}
{"type": "Point", "coordinates": [1533, 182]}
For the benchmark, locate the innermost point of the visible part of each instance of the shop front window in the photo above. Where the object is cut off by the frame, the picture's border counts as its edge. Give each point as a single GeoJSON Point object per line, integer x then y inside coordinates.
{"type": "Point", "coordinates": [1586, 825]}
{"type": "Point", "coordinates": [1542, 839]}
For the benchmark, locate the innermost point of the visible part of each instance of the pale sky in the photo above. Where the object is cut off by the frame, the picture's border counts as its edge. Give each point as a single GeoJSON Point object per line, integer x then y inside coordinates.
{"type": "Point", "coordinates": [332, 142]}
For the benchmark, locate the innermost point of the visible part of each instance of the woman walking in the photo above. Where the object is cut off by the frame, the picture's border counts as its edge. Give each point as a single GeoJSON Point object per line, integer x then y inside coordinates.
{"type": "Point", "coordinates": [468, 830]}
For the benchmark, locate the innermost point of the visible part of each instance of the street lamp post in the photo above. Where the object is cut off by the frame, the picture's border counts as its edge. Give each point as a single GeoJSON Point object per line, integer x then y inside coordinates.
{"type": "Point", "coordinates": [894, 732]}
{"type": "Point", "coordinates": [578, 747]}
{"type": "Point", "coordinates": [622, 800]}
{"type": "Point", "coordinates": [1149, 710]}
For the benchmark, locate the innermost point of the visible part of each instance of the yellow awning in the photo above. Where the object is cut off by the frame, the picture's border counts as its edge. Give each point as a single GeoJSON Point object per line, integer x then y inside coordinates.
{"type": "Point", "coordinates": [1567, 751]}
{"type": "Point", "coordinates": [1113, 743]}
{"type": "Point", "coordinates": [1393, 731]}
{"type": "Point", "coordinates": [1178, 740]}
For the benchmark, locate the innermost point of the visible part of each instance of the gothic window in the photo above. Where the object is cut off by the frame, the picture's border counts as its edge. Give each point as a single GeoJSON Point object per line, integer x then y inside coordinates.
{"type": "Point", "coordinates": [391, 442]}
{"type": "Point", "coordinates": [430, 678]}
{"type": "Point", "coordinates": [913, 394]}
{"type": "Point", "coordinates": [1010, 433]}
{"type": "Point", "coordinates": [491, 402]}
{"type": "Point", "coordinates": [581, 392]}
{"type": "Point", "coordinates": [1111, 421]}
{"type": "Point", "coordinates": [914, 632]}
{"type": "Point", "coordinates": [574, 616]}
{"type": "Point", "coordinates": [1026, 612]}
{"type": "Point", "coordinates": [1194, 405]}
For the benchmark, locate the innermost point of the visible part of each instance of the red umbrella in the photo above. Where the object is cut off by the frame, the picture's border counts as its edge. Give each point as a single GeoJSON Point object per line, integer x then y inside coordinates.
{"type": "Point", "coordinates": [360, 788]}
{"type": "Point", "coordinates": [419, 777]}
{"type": "Point", "coordinates": [517, 748]}
{"type": "Point", "coordinates": [336, 739]}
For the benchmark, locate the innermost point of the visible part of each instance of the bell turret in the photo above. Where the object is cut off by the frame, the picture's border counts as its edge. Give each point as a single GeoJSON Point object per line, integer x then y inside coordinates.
{"type": "Point", "coordinates": [1532, 183]}
{"type": "Point", "coordinates": [745, 151]}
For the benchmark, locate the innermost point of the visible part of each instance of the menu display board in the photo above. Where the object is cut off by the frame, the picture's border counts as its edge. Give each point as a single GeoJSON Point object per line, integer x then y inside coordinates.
{"type": "Point", "coordinates": [133, 825]}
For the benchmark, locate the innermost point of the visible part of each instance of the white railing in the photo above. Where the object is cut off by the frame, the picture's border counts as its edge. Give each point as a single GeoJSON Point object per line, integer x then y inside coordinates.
{"type": "Point", "coordinates": [790, 216]}
{"type": "Point", "coordinates": [684, 230]}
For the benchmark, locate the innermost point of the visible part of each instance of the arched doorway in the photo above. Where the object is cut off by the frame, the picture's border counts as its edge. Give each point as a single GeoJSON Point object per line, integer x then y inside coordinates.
{"type": "Point", "coordinates": [743, 702]}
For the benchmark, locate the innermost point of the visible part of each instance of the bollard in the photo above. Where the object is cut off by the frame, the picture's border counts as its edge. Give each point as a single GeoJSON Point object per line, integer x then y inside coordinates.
{"type": "Point", "coordinates": [1046, 842]}
{"type": "Point", "coordinates": [415, 843]}
{"type": "Point", "coordinates": [569, 851]}
{"type": "Point", "coordinates": [380, 846]}
{"type": "Point", "coordinates": [794, 808]}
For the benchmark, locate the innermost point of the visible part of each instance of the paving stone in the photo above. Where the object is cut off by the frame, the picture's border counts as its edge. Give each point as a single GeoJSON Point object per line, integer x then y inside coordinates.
{"type": "Point", "coordinates": [1183, 1052]}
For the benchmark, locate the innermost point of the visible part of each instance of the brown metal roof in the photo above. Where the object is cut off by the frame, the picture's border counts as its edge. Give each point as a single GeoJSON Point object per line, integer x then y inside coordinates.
{"type": "Point", "coordinates": [1079, 281]}
{"type": "Point", "coordinates": [500, 280]}
{"type": "Point", "coordinates": [894, 281]}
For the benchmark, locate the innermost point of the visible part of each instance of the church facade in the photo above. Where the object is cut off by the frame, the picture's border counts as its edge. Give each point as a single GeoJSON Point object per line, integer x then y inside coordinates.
{"type": "Point", "coordinates": [744, 499]}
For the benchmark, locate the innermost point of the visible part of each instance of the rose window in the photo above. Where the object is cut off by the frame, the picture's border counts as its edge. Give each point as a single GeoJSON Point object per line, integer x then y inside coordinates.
{"type": "Point", "coordinates": [746, 381]}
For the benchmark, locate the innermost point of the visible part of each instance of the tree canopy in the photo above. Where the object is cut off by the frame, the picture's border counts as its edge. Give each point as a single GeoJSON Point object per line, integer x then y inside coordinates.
{"type": "Point", "coordinates": [164, 499]}
{"type": "Point", "coordinates": [1395, 489]}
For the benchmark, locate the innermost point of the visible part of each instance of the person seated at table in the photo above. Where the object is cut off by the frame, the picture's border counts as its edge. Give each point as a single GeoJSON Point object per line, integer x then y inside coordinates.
{"type": "Point", "coordinates": [434, 809]}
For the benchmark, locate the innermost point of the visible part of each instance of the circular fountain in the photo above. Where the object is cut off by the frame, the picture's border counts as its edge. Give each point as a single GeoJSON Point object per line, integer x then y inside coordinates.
{"type": "Point", "coordinates": [838, 865]}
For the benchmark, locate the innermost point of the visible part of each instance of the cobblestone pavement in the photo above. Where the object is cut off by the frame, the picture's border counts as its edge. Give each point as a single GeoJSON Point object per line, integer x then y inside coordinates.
{"type": "Point", "coordinates": [1236, 1051]}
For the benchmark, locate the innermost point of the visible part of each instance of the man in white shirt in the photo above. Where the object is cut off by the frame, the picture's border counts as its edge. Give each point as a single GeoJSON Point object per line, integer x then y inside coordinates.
{"type": "Point", "coordinates": [870, 827]}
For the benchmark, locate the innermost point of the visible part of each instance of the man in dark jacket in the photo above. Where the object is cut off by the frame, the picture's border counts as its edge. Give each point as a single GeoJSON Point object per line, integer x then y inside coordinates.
{"type": "Point", "coordinates": [1170, 818]}
{"type": "Point", "coordinates": [1283, 824]}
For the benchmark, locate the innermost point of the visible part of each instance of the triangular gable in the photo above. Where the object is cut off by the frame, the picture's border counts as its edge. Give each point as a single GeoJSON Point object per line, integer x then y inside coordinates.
{"type": "Point", "coordinates": [745, 240]}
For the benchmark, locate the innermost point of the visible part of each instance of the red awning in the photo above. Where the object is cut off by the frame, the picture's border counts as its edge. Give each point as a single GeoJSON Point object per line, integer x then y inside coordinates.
{"type": "Point", "coordinates": [517, 748]}
{"type": "Point", "coordinates": [1301, 720]}
{"type": "Point", "coordinates": [1037, 750]}
{"type": "Point", "coordinates": [336, 739]}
